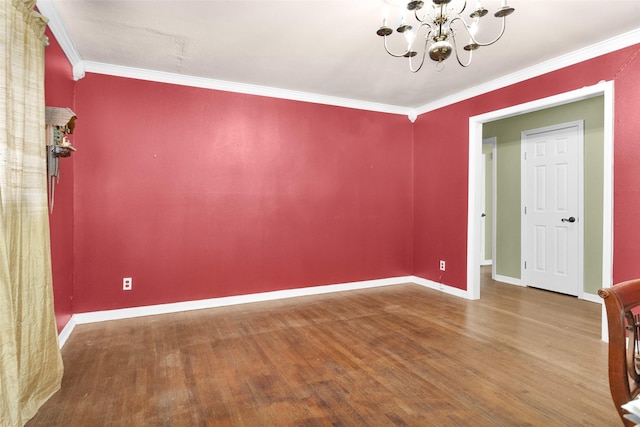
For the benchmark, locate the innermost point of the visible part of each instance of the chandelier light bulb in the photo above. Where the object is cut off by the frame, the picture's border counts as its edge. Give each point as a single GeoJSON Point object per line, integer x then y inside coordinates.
{"type": "Point", "coordinates": [473, 28]}
{"type": "Point", "coordinates": [409, 36]}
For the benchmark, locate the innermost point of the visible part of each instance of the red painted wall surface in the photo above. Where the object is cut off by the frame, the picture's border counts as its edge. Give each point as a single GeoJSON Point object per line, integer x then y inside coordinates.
{"type": "Point", "coordinates": [441, 158]}
{"type": "Point", "coordinates": [59, 87]}
{"type": "Point", "coordinates": [198, 193]}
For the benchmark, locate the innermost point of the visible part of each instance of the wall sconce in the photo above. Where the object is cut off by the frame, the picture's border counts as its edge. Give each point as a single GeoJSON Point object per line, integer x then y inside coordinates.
{"type": "Point", "coordinates": [59, 122]}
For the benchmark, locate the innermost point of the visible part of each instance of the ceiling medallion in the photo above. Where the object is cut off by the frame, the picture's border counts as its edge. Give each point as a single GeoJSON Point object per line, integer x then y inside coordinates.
{"type": "Point", "coordinates": [440, 25]}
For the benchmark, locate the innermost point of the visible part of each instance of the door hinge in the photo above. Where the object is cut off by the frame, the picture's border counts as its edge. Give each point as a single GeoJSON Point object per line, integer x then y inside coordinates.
{"type": "Point", "coordinates": [525, 155]}
{"type": "Point", "coordinates": [525, 265]}
{"type": "Point", "coordinates": [525, 210]}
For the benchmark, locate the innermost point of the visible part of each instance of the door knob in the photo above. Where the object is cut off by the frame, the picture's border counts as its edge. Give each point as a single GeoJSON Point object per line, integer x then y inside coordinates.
{"type": "Point", "coordinates": [570, 219]}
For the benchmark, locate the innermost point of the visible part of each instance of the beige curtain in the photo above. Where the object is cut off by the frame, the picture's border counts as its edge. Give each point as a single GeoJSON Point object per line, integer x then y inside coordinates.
{"type": "Point", "coordinates": [30, 361]}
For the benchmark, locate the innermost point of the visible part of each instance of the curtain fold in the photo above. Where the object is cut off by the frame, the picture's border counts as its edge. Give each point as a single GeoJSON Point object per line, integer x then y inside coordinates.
{"type": "Point", "coordinates": [30, 361]}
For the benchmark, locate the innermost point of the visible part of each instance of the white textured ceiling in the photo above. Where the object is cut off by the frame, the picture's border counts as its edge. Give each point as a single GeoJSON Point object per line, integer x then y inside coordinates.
{"type": "Point", "coordinates": [325, 47]}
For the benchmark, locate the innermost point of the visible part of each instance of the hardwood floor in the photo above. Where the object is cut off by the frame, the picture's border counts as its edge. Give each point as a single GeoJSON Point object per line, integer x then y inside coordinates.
{"type": "Point", "coordinates": [401, 355]}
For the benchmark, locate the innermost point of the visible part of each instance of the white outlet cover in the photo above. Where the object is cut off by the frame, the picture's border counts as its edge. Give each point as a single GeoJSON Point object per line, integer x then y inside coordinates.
{"type": "Point", "coordinates": [127, 283]}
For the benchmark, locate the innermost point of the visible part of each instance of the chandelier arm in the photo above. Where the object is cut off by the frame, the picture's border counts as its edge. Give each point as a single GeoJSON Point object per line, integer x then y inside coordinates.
{"type": "Point", "coordinates": [455, 49]}
{"type": "Point", "coordinates": [466, 27]}
{"type": "Point", "coordinates": [481, 44]}
{"type": "Point", "coordinates": [395, 55]}
{"type": "Point", "coordinates": [424, 54]}
{"type": "Point", "coordinates": [423, 19]}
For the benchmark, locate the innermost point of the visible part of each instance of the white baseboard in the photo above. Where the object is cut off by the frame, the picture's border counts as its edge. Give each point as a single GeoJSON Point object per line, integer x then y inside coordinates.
{"type": "Point", "coordinates": [508, 280]}
{"type": "Point", "coordinates": [126, 313]}
{"type": "Point", "coordinates": [66, 332]}
{"type": "Point", "coordinates": [461, 293]}
{"type": "Point", "coordinates": [513, 281]}
{"type": "Point", "coordinates": [591, 297]}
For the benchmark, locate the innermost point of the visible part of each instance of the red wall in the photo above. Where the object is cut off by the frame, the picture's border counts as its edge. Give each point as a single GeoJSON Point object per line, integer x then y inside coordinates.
{"type": "Point", "coordinates": [626, 193]}
{"type": "Point", "coordinates": [59, 86]}
{"type": "Point", "coordinates": [441, 158]}
{"type": "Point", "coordinates": [197, 193]}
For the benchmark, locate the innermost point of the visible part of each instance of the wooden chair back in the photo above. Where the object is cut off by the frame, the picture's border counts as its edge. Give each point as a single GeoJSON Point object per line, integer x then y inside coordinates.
{"type": "Point", "coordinates": [624, 360]}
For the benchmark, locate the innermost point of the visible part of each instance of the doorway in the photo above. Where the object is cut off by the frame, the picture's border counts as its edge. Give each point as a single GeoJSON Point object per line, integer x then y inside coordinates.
{"type": "Point", "coordinates": [604, 89]}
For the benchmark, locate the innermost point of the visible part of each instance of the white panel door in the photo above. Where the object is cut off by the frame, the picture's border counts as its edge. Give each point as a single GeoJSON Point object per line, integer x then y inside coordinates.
{"type": "Point", "coordinates": [551, 220]}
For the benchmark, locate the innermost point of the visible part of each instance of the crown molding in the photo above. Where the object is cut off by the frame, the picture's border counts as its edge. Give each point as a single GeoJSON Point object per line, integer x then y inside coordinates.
{"type": "Point", "coordinates": [48, 9]}
{"type": "Point", "coordinates": [616, 43]}
{"type": "Point", "coordinates": [176, 307]}
{"type": "Point", "coordinates": [80, 67]}
{"type": "Point", "coordinates": [249, 89]}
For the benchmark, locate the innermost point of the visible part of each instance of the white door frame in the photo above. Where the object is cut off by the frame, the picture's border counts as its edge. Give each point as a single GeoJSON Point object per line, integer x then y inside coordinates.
{"type": "Point", "coordinates": [525, 244]}
{"type": "Point", "coordinates": [483, 208]}
{"type": "Point", "coordinates": [484, 260]}
{"type": "Point", "coordinates": [605, 89]}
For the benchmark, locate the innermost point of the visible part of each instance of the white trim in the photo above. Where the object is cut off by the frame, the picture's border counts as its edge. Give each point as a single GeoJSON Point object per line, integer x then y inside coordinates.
{"type": "Point", "coordinates": [80, 67]}
{"type": "Point", "coordinates": [616, 43]}
{"type": "Point", "coordinates": [48, 10]}
{"type": "Point", "coordinates": [581, 179]}
{"type": "Point", "coordinates": [604, 333]}
{"type": "Point", "coordinates": [65, 333]}
{"type": "Point", "coordinates": [475, 150]}
{"type": "Point", "coordinates": [228, 86]}
{"type": "Point", "coordinates": [517, 282]}
{"type": "Point", "coordinates": [483, 208]}
{"type": "Point", "coordinates": [493, 141]}
{"type": "Point", "coordinates": [494, 204]}
{"type": "Point", "coordinates": [126, 313]}
{"type": "Point", "coordinates": [589, 52]}
{"type": "Point", "coordinates": [461, 293]}
{"type": "Point", "coordinates": [150, 310]}
{"type": "Point", "coordinates": [591, 298]}
{"type": "Point", "coordinates": [508, 280]}
{"type": "Point", "coordinates": [78, 70]}
{"type": "Point", "coordinates": [474, 203]}
{"type": "Point", "coordinates": [607, 209]}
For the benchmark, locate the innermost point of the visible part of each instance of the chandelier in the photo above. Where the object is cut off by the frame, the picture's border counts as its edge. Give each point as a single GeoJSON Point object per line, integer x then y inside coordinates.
{"type": "Point", "coordinates": [441, 24]}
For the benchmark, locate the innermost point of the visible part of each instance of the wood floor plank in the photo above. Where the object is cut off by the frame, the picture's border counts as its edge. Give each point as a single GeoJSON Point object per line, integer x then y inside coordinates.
{"type": "Point", "coordinates": [401, 355]}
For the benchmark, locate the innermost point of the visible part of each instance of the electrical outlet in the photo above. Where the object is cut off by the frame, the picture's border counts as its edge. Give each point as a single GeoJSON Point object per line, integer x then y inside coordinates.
{"type": "Point", "coordinates": [127, 284]}
{"type": "Point", "coordinates": [442, 265]}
